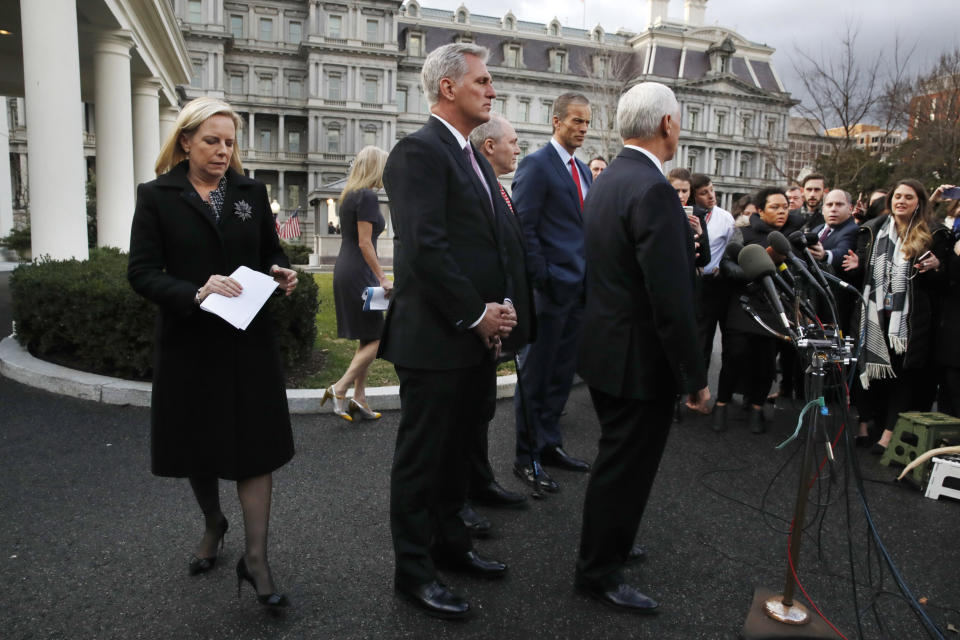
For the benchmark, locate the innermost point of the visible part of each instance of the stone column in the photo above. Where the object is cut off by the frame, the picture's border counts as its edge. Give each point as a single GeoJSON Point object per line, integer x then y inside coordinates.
{"type": "Point", "coordinates": [6, 189]}
{"type": "Point", "coordinates": [281, 194]}
{"type": "Point", "coordinates": [56, 168]}
{"type": "Point", "coordinates": [146, 128]}
{"type": "Point", "coordinates": [251, 139]}
{"type": "Point", "coordinates": [114, 117]}
{"type": "Point", "coordinates": [281, 142]}
{"type": "Point", "coordinates": [168, 120]}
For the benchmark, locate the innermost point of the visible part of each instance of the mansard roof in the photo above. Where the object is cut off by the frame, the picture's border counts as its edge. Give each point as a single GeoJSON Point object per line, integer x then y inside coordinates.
{"type": "Point", "coordinates": [749, 63]}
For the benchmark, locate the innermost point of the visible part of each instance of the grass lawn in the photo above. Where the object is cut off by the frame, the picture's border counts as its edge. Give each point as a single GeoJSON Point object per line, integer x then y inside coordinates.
{"type": "Point", "coordinates": [338, 352]}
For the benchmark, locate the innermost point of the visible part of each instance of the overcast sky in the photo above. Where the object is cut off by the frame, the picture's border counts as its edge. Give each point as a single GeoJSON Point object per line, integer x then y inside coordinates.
{"type": "Point", "coordinates": [932, 25]}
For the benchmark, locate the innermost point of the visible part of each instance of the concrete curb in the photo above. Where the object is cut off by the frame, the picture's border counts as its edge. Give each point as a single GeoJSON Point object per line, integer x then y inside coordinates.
{"type": "Point", "coordinates": [17, 364]}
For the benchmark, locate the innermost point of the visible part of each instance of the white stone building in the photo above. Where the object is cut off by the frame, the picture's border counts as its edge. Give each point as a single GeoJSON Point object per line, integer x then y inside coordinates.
{"type": "Point", "coordinates": [316, 80]}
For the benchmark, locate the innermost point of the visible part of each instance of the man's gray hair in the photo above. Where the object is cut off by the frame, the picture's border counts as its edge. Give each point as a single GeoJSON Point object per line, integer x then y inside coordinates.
{"type": "Point", "coordinates": [641, 109]}
{"type": "Point", "coordinates": [494, 129]}
{"type": "Point", "coordinates": [448, 61]}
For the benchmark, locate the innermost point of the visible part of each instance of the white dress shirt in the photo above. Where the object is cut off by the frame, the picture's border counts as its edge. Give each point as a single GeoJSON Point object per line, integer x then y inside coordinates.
{"type": "Point", "coordinates": [720, 229]}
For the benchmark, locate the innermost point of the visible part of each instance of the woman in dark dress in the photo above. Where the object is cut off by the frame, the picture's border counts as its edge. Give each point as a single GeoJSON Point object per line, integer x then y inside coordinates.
{"type": "Point", "coordinates": [358, 268]}
{"type": "Point", "coordinates": [219, 407]}
{"type": "Point", "coordinates": [749, 351]}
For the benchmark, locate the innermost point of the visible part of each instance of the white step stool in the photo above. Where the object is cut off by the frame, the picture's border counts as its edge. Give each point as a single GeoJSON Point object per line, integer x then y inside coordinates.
{"type": "Point", "coordinates": [946, 466]}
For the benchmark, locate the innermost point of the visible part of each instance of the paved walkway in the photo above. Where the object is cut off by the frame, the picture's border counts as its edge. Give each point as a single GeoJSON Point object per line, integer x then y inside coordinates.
{"type": "Point", "coordinates": [93, 546]}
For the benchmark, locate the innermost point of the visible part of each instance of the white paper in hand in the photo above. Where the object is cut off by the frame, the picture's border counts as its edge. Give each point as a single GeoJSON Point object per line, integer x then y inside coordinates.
{"type": "Point", "coordinates": [374, 299]}
{"type": "Point", "coordinates": [241, 310]}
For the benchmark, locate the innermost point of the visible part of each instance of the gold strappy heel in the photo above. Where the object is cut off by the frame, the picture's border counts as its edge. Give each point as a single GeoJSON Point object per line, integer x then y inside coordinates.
{"type": "Point", "coordinates": [338, 403]}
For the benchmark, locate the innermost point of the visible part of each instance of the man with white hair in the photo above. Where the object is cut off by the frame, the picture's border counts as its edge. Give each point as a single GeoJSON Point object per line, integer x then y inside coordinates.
{"type": "Point", "coordinates": [450, 311]}
{"type": "Point", "coordinates": [640, 345]}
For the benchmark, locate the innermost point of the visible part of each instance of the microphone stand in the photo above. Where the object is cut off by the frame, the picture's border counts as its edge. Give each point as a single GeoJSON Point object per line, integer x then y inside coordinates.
{"type": "Point", "coordinates": [769, 610]}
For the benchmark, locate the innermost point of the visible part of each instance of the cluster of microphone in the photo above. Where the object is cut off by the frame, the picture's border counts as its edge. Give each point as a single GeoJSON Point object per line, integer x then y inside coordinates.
{"type": "Point", "coordinates": [768, 268]}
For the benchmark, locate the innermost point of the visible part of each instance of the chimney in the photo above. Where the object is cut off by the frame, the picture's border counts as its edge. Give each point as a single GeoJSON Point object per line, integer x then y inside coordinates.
{"type": "Point", "coordinates": [694, 12]}
{"type": "Point", "coordinates": [657, 12]}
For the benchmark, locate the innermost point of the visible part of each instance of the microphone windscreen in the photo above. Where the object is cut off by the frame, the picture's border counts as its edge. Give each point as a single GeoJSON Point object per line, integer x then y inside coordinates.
{"type": "Point", "coordinates": [732, 251]}
{"type": "Point", "coordinates": [798, 240]}
{"type": "Point", "coordinates": [779, 243]}
{"type": "Point", "coordinates": [755, 262]}
{"type": "Point", "coordinates": [811, 238]}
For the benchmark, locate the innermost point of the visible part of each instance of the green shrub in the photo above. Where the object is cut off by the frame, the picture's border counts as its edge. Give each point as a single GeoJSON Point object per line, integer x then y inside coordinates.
{"type": "Point", "coordinates": [85, 315]}
{"type": "Point", "coordinates": [296, 253]}
{"type": "Point", "coordinates": [18, 240]}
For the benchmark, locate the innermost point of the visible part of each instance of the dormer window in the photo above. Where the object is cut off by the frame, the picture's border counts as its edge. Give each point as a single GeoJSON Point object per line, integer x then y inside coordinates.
{"type": "Point", "coordinates": [413, 9]}
{"type": "Point", "coordinates": [597, 34]}
{"type": "Point", "coordinates": [415, 45]}
{"type": "Point", "coordinates": [462, 15]}
{"type": "Point", "coordinates": [509, 22]}
{"type": "Point", "coordinates": [558, 61]}
{"type": "Point", "coordinates": [554, 28]}
{"type": "Point", "coordinates": [512, 56]}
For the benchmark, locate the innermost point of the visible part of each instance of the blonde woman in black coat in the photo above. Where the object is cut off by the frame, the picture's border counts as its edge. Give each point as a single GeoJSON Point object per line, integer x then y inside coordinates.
{"type": "Point", "coordinates": [219, 406]}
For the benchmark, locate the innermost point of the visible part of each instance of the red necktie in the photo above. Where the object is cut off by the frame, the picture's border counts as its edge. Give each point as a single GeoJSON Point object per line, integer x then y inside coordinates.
{"type": "Point", "coordinates": [824, 233]}
{"type": "Point", "coordinates": [506, 198]}
{"type": "Point", "coordinates": [576, 181]}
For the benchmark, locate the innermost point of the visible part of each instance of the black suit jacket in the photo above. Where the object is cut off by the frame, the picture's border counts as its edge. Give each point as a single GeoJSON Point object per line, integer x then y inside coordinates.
{"type": "Point", "coordinates": [640, 335]}
{"type": "Point", "coordinates": [450, 257]}
{"type": "Point", "coordinates": [840, 240]}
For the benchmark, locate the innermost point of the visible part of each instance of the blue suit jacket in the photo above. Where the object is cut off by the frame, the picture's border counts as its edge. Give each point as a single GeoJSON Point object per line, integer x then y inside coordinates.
{"type": "Point", "coordinates": [549, 209]}
{"type": "Point", "coordinates": [840, 241]}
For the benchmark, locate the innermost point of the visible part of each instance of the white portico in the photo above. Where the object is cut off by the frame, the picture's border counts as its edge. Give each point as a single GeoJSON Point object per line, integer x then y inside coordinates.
{"type": "Point", "coordinates": [123, 57]}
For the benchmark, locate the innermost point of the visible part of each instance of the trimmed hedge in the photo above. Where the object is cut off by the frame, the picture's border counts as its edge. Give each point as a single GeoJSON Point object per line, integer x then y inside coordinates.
{"type": "Point", "coordinates": [85, 315]}
{"type": "Point", "coordinates": [296, 253]}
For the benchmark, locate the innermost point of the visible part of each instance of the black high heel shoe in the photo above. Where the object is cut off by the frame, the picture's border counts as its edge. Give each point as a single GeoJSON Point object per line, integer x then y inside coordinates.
{"type": "Point", "coordinates": [202, 565]}
{"type": "Point", "coordinates": [271, 600]}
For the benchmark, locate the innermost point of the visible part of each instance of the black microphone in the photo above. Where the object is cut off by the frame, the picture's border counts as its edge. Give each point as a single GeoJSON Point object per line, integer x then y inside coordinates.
{"type": "Point", "coordinates": [732, 252]}
{"type": "Point", "coordinates": [781, 245]}
{"type": "Point", "coordinates": [802, 240]}
{"type": "Point", "coordinates": [758, 267]}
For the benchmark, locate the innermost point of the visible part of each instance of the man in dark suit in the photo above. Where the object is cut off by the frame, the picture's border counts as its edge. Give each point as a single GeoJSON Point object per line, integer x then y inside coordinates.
{"type": "Point", "coordinates": [448, 314]}
{"type": "Point", "coordinates": [548, 189]}
{"type": "Point", "coordinates": [837, 235]}
{"type": "Point", "coordinates": [496, 139]}
{"type": "Point", "coordinates": [839, 232]}
{"type": "Point", "coordinates": [640, 343]}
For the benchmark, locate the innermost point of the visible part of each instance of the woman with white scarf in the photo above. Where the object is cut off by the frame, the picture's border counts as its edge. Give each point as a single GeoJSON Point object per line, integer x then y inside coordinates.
{"type": "Point", "coordinates": [898, 264]}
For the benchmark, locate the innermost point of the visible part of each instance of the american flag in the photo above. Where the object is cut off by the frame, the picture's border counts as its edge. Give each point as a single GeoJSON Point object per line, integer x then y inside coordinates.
{"type": "Point", "coordinates": [276, 223]}
{"type": "Point", "coordinates": [291, 226]}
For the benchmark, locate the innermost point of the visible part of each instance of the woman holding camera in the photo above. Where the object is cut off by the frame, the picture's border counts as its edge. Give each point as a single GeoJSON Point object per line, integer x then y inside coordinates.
{"type": "Point", "coordinates": [219, 407]}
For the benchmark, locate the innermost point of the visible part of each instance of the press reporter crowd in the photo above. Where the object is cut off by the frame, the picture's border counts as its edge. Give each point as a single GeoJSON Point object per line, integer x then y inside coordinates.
{"type": "Point", "coordinates": [594, 269]}
{"type": "Point", "coordinates": [898, 246]}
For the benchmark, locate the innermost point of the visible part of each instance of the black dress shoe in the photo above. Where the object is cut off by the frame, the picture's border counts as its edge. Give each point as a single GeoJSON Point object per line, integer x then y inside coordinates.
{"type": "Point", "coordinates": [436, 600]}
{"type": "Point", "coordinates": [493, 495]}
{"type": "Point", "coordinates": [557, 457]}
{"type": "Point", "coordinates": [637, 554]}
{"type": "Point", "coordinates": [476, 524]}
{"type": "Point", "coordinates": [525, 473]}
{"type": "Point", "coordinates": [622, 597]}
{"type": "Point", "coordinates": [471, 563]}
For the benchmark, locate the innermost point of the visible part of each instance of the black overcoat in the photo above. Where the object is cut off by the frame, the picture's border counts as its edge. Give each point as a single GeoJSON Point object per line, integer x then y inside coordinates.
{"type": "Point", "coordinates": [219, 403]}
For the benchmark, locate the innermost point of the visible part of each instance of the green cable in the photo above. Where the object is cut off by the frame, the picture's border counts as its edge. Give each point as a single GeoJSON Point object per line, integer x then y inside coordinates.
{"type": "Point", "coordinates": [816, 401]}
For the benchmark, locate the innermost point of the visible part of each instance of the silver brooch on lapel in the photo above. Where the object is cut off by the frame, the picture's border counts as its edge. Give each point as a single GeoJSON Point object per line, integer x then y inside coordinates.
{"type": "Point", "coordinates": [243, 210]}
